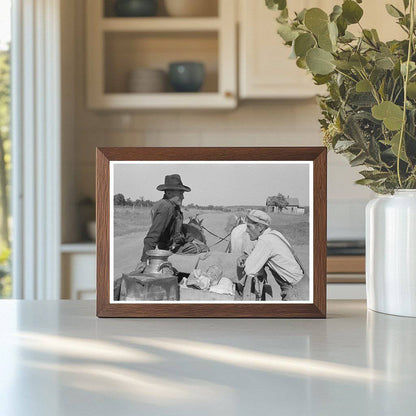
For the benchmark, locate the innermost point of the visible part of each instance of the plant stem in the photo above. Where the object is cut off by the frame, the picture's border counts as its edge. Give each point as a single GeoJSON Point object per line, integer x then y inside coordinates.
{"type": "Point", "coordinates": [373, 90]}
{"type": "Point", "coordinates": [345, 75]}
{"type": "Point", "coordinates": [406, 79]}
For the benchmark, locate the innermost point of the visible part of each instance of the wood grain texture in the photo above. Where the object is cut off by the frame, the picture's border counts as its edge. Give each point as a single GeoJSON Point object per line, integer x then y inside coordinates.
{"type": "Point", "coordinates": [317, 309]}
{"type": "Point", "coordinates": [346, 264]}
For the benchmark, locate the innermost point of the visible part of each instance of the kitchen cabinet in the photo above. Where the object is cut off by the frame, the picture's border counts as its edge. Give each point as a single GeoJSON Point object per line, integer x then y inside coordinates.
{"type": "Point", "coordinates": [118, 45]}
{"type": "Point", "coordinates": [265, 70]}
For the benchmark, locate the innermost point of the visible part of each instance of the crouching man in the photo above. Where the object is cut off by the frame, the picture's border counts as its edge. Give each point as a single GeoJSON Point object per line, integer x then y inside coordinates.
{"type": "Point", "coordinates": [272, 269]}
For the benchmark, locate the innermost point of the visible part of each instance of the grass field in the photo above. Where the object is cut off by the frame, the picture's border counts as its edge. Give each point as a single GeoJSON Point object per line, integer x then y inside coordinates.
{"type": "Point", "coordinates": [132, 224]}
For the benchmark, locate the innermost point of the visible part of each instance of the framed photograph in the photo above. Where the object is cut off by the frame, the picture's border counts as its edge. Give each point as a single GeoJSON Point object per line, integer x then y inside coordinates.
{"type": "Point", "coordinates": [211, 232]}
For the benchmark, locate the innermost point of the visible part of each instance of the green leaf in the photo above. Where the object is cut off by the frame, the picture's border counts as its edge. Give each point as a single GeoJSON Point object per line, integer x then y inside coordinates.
{"type": "Point", "coordinates": [385, 63]}
{"type": "Point", "coordinates": [361, 99]}
{"type": "Point", "coordinates": [351, 11]}
{"type": "Point", "coordinates": [374, 175]}
{"type": "Point", "coordinates": [358, 61]}
{"type": "Point", "coordinates": [368, 36]}
{"type": "Point", "coordinates": [303, 43]}
{"type": "Point", "coordinates": [321, 79]}
{"type": "Point", "coordinates": [381, 89]}
{"type": "Point", "coordinates": [347, 37]}
{"type": "Point", "coordinates": [301, 63]}
{"type": "Point", "coordinates": [394, 144]}
{"type": "Point", "coordinates": [327, 40]}
{"type": "Point", "coordinates": [375, 35]}
{"type": "Point", "coordinates": [342, 25]}
{"type": "Point", "coordinates": [324, 42]}
{"type": "Point", "coordinates": [358, 160]}
{"type": "Point", "coordinates": [341, 64]}
{"type": "Point", "coordinates": [333, 32]}
{"type": "Point", "coordinates": [276, 4]}
{"type": "Point", "coordinates": [343, 145]}
{"type": "Point", "coordinates": [374, 150]}
{"type": "Point", "coordinates": [319, 61]}
{"type": "Point", "coordinates": [316, 20]}
{"type": "Point", "coordinates": [406, 4]}
{"type": "Point", "coordinates": [411, 90]}
{"type": "Point", "coordinates": [363, 86]}
{"type": "Point", "coordinates": [354, 131]}
{"type": "Point", "coordinates": [364, 181]}
{"type": "Point", "coordinates": [286, 32]}
{"type": "Point", "coordinates": [393, 11]}
{"type": "Point", "coordinates": [300, 17]}
{"type": "Point", "coordinates": [412, 67]}
{"type": "Point", "coordinates": [336, 12]}
{"type": "Point", "coordinates": [390, 113]}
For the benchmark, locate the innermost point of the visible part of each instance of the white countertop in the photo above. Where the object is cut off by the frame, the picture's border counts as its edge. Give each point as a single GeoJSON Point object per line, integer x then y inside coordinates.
{"type": "Point", "coordinates": [57, 358]}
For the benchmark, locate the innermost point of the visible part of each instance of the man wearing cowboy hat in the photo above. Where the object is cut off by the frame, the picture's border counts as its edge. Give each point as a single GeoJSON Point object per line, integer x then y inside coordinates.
{"type": "Point", "coordinates": [167, 219]}
{"type": "Point", "coordinates": [275, 252]}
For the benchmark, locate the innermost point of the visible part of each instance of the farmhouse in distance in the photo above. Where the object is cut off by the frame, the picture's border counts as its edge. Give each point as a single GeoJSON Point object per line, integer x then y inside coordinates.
{"type": "Point", "coordinates": [288, 205]}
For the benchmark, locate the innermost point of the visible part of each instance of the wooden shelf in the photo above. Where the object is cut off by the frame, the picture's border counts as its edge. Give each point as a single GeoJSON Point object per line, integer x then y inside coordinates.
{"type": "Point", "coordinates": [159, 24]}
{"type": "Point", "coordinates": [163, 101]}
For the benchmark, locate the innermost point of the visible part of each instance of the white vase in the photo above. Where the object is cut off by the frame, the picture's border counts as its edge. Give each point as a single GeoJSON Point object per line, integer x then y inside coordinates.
{"type": "Point", "coordinates": [391, 253]}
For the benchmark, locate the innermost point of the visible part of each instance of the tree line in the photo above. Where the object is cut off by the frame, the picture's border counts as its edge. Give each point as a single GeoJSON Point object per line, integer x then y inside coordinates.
{"type": "Point", "coordinates": [121, 201]}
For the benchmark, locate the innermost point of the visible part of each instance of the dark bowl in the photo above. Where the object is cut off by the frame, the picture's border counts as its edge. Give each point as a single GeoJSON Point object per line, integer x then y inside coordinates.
{"type": "Point", "coordinates": [186, 76]}
{"type": "Point", "coordinates": [135, 8]}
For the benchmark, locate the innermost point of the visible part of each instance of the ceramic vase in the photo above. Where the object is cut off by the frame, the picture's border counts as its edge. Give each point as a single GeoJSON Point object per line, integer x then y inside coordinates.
{"type": "Point", "coordinates": [391, 253]}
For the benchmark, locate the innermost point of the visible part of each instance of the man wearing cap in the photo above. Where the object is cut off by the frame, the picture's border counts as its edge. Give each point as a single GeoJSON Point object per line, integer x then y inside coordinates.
{"type": "Point", "coordinates": [167, 219]}
{"type": "Point", "coordinates": [275, 252]}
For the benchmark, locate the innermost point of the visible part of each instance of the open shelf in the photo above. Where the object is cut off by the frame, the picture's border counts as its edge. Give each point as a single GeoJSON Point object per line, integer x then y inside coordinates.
{"type": "Point", "coordinates": [116, 46]}
{"type": "Point", "coordinates": [211, 9]}
{"type": "Point", "coordinates": [166, 101]}
{"type": "Point", "coordinates": [127, 51]}
{"type": "Point", "coordinates": [160, 24]}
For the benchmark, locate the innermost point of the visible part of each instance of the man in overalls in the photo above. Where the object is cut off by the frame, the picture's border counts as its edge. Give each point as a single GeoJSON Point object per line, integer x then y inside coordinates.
{"type": "Point", "coordinates": [271, 270]}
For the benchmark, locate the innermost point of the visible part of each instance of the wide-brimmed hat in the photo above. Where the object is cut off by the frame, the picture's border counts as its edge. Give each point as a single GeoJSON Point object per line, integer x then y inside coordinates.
{"type": "Point", "coordinates": [173, 183]}
{"type": "Point", "coordinates": [260, 217]}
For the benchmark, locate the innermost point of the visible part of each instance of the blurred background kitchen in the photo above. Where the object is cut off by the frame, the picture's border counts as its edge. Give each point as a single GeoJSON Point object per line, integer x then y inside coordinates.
{"type": "Point", "coordinates": [147, 73]}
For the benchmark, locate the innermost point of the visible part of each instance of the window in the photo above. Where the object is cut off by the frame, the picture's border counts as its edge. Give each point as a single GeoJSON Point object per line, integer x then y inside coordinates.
{"type": "Point", "coordinates": [5, 145]}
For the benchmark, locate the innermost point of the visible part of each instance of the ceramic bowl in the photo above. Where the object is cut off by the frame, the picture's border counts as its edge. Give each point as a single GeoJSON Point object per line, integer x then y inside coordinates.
{"type": "Point", "coordinates": [186, 76]}
{"type": "Point", "coordinates": [135, 8]}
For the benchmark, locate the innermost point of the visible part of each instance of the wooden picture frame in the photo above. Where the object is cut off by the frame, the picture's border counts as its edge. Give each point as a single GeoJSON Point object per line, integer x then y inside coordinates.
{"type": "Point", "coordinates": [314, 308]}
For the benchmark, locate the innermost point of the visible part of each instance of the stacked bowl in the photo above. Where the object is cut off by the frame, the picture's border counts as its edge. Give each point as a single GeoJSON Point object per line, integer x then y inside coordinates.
{"type": "Point", "coordinates": [147, 80]}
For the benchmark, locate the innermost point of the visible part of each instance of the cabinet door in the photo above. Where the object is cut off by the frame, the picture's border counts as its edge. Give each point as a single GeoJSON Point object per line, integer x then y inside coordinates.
{"type": "Point", "coordinates": [265, 68]}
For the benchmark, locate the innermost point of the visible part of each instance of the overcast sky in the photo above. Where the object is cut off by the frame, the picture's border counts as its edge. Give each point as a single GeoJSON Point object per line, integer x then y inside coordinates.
{"type": "Point", "coordinates": [216, 184]}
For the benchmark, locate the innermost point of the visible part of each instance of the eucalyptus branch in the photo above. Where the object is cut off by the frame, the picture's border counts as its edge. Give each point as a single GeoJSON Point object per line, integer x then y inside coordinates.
{"type": "Point", "coordinates": [397, 95]}
{"type": "Point", "coordinates": [345, 75]}
{"type": "Point", "coordinates": [406, 79]}
{"type": "Point", "coordinates": [392, 90]}
{"type": "Point", "coordinates": [373, 89]}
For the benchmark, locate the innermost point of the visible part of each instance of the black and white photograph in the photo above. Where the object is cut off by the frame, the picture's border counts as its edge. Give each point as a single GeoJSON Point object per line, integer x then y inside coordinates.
{"type": "Point", "coordinates": [234, 231]}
